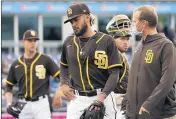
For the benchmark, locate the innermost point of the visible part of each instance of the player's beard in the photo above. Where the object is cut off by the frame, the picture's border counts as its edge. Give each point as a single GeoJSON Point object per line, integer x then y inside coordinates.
{"type": "Point", "coordinates": [123, 50]}
{"type": "Point", "coordinates": [82, 30]}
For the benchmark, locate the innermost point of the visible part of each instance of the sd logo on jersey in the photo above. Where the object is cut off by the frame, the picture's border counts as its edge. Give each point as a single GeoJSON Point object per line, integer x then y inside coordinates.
{"type": "Point", "coordinates": [101, 59]}
{"type": "Point", "coordinates": [149, 56]}
{"type": "Point", "coordinates": [40, 71]}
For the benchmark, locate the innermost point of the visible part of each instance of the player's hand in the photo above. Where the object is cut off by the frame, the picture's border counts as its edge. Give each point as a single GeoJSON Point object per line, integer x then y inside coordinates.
{"type": "Point", "coordinates": [57, 99]}
{"type": "Point", "coordinates": [143, 111]}
{"type": "Point", "coordinates": [68, 92]}
{"type": "Point", "coordinates": [7, 105]}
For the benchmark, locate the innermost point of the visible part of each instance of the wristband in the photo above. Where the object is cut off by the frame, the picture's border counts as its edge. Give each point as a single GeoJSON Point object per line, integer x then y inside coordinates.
{"type": "Point", "coordinates": [104, 94]}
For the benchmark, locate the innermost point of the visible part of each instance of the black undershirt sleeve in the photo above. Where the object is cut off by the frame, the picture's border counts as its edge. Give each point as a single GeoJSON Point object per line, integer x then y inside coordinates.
{"type": "Point", "coordinates": [112, 81]}
{"type": "Point", "coordinates": [64, 75]}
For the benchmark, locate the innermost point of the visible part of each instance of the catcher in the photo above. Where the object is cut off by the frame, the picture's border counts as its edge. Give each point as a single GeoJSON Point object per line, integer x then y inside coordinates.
{"type": "Point", "coordinates": [119, 28]}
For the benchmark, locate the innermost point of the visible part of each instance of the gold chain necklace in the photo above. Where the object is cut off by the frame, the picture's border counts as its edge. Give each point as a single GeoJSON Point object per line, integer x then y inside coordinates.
{"type": "Point", "coordinates": [81, 53]}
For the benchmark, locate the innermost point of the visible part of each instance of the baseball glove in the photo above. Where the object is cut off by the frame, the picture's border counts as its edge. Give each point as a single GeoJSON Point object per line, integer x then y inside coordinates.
{"type": "Point", "coordinates": [15, 108]}
{"type": "Point", "coordinates": [95, 111]}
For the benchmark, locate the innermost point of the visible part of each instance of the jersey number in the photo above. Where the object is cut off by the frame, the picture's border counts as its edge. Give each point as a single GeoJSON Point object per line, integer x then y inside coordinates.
{"type": "Point", "coordinates": [101, 59]}
{"type": "Point", "coordinates": [40, 71]}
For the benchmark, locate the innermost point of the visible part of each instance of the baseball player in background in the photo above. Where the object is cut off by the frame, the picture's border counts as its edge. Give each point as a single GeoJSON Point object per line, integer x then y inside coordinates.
{"type": "Point", "coordinates": [119, 28]}
{"type": "Point", "coordinates": [89, 66]}
{"type": "Point", "coordinates": [31, 72]}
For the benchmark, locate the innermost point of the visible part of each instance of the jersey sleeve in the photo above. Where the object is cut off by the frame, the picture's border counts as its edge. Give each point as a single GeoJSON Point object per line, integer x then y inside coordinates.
{"type": "Point", "coordinates": [63, 59]}
{"type": "Point", "coordinates": [114, 59]}
{"type": "Point", "coordinates": [52, 68]}
{"type": "Point", "coordinates": [166, 83]}
{"type": "Point", "coordinates": [11, 80]}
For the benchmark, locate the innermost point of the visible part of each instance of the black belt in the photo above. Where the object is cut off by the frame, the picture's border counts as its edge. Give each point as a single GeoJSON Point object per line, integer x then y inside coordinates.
{"type": "Point", "coordinates": [33, 99]}
{"type": "Point", "coordinates": [86, 93]}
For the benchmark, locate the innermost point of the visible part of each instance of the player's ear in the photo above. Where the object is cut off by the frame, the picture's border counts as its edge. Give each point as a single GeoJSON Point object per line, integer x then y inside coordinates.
{"type": "Point", "coordinates": [23, 41]}
{"type": "Point", "coordinates": [88, 17]}
{"type": "Point", "coordinates": [145, 23]}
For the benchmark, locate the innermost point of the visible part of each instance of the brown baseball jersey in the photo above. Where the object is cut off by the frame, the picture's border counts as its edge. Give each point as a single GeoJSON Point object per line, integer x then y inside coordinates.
{"type": "Point", "coordinates": [89, 66]}
{"type": "Point", "coordinates": [32, 75]}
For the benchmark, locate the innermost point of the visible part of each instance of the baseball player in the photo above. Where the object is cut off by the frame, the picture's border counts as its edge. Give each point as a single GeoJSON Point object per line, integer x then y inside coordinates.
{"type": "Point", "coordinates": [119, 28]}
{"type": "Point", "coordinates": [31, 72]}
{"type": "Point", "coordinates": [92, 61]}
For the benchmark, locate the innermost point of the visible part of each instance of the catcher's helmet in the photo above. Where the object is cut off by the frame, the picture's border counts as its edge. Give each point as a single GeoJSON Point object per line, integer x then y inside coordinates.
{"type": "Point", "coordinates": [119, 26]}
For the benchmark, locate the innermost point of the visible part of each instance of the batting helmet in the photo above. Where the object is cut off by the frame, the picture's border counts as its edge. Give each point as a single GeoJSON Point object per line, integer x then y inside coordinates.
{"type": "Point", "coordinates": [119, 26]}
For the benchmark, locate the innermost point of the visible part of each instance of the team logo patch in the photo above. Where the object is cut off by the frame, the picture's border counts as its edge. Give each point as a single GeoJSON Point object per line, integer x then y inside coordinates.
{"type": "Point", "coordinates": [69, 11]}
{"type": "Point", "coordinates": [101, 59]}
{"type": "Point", "coordinates": [40, 71]}
{"type": "Point", "coordinates": [149, 56]}
{"type": "Point", "coordinates": [33, 33]}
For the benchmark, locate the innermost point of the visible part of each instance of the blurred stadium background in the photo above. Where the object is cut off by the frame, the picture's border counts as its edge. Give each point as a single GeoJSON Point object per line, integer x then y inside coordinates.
{"type": "Point", "coordinates": [47, 18]}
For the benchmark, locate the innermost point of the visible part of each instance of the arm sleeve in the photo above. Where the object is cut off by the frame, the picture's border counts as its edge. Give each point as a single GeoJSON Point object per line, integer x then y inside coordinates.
{"type": "Point", "coordinates": [114, 63]}
{"type": "Point", "coordinates": [10, 80]}
{"type": "Point", "coordinates": [63, 61]}
{"type": "Point", "coordinates": [53, 68]}
{"type": "Point", "coordinates": [64, 76]}
{"type": "Point", "coordinates": [114, 59]}
{"type": "Point", "coordinates": [111, 83]}
{"type": "Point", "coordinates": [168, 58]}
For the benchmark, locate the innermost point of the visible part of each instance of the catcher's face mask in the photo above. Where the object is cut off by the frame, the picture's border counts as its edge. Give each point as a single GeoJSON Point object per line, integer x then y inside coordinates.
{"type": "Point", "coordinates": [119, 26]}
